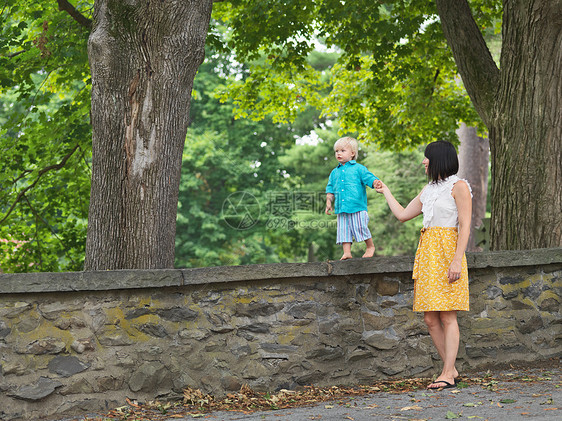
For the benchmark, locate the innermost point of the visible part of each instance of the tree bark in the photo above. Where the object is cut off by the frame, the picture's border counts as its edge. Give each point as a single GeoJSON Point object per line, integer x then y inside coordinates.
{"type": "Point", "coordinates": [520, 104]}
{"type": "Point", "coordinates": [143, 58]}
{"type": "Point", "coordinates": [473, 166]}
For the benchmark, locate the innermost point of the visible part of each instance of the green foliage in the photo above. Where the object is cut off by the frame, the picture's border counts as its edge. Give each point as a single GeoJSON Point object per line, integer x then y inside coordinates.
{"type": "Point", "coordinates": [227, 161]}
{"type": "Point", "coordinates": [394, 82]}
{"type": "Point", "coordinates": [44, 138]}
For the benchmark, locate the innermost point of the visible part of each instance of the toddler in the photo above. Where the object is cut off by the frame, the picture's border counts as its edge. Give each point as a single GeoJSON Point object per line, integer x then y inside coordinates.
{"type": "Point", "coordinates": [346, 186]}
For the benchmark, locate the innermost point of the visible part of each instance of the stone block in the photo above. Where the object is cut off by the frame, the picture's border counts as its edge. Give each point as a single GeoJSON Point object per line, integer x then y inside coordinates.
{"type": "Point", "coordinates": [493, 292]}
{"type": "Point", "coordinates": [361, 354]}
{"type": "Point", "coordinates": [254, 370]}
{"type": "Point", "coordinates": [111, 335]}
{"type": "Point", "coordinates": [151, 376]}
{"type": "Point", "coordinates": [311, 377]}
{"type": "Point", "coordinates": [376, 321]}
{"type": "Point", "coordinates": [153, 329]}
{"type": "Point", "coordinates": [382, 340]}
{"type": "Point", "coordinates": [46, 346]}
{"type": "Point", "coordinates": [40, 389]}
{"type": "Point", "coordinates": [177, 314]}
{"type": "Point", "coordinates": [230, 383]}
{"type": "Point", "coordinates": [387, 286]}
{"type": "Point", "coordinates": [326, 353]}
{"type": "Point", "coordinates": [530, 325]}
{"type": "Point", "coordinates": [493, 324]}
{"type": "Point", "coordinates": [107, 383]}
{"type": "Point", "coordinates": [17, 368]}
{"type": "Point", "coordinates": [66, 366]}
{"type": "Point", "coordinates": [522, 305]}
{"type": "Point", "coordinates": [301, 310]}
{"type": "Point", "coordinates": [551, 305]}
{"type": "Point", "coordinates": [254, 309]}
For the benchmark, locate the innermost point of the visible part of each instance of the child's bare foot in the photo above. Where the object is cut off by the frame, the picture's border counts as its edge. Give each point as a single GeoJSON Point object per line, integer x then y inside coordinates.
{"type": "Point", "coordinates": [346, 256]}
{"type": "Point", "coordinates": [370, 252]}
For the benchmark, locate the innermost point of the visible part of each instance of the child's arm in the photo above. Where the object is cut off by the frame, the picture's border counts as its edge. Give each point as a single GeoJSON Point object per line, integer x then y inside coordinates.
{"type": "Point", "coordinates": [413, 209]}
{"type": "Point", "coordinates": [329, 200]}
{"type": "Point", "coordinates": [368, 178]}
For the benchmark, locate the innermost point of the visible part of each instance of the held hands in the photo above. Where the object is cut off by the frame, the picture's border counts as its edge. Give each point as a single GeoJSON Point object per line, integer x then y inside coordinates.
{"type": "Point", "coordinates": [379, 186]}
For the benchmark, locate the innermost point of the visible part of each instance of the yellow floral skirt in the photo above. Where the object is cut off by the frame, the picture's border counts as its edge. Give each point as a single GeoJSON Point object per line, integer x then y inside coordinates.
{"type": "Point", "coordinates": [432, 290]}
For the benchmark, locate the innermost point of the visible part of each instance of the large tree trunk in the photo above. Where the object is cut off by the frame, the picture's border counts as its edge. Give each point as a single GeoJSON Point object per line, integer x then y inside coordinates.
{"type": "Point", "coordinates": [143, 59]}
{"type": "Point", "coordinates": [520, 104]}
{"type": "Point", "coordinates": [473, 166]}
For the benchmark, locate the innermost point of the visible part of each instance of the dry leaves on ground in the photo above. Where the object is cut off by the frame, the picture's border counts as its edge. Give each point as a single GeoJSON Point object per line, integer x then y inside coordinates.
{"type": "Point", "coordinates": [198, 404]}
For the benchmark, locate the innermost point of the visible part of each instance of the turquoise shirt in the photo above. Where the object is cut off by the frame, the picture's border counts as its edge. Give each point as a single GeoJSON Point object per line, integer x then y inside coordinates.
{"type": "Point", "coordinates": [347, 183]}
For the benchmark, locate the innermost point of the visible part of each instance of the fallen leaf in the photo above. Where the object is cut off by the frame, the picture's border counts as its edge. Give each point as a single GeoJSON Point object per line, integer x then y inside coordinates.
{"type": "Point", "coordinates": [451, 415]}
{"type": "Point", "coordinates": [409, 408]}
{"type": "Point", "coordinates": [329, 406]}
{"type": "Point", "coordinates": [508, 401]}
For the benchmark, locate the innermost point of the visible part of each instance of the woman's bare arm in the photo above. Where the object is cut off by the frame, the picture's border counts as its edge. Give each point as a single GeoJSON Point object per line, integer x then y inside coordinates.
{"type": "Point", "coordinates": [413, 209]}
{"type": "Point", "coordinates": [463, 200]}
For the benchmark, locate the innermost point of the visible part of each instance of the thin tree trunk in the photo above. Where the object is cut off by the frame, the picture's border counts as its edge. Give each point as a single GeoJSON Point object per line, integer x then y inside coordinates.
{"type": "Point", "coordinates": [473, 166]}
{"type": "Point", "coordinates": [143, 59]}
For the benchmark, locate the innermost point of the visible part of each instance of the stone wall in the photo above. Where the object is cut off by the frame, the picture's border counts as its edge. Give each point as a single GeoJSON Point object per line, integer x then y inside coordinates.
{"type": "Point", "coordinates": [77, 342]}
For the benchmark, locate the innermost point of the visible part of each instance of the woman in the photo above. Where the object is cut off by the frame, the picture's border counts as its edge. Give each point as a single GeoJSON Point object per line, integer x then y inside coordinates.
{"type": "Point", "coordinates": [440, 271]}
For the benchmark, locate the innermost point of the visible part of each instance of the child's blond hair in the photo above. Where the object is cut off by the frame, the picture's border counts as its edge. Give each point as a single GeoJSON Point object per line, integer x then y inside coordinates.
{"type": "Point", "coordinates": [344, 141]}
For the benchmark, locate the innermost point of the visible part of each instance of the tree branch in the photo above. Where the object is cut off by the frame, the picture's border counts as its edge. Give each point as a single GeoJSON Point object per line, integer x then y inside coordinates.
{"type": "Point", "coordinates": [476, 66]}
{"type": "Point", "coordinates": [65, 6]}
{"type": "Point", "coordinates": [45, 170]}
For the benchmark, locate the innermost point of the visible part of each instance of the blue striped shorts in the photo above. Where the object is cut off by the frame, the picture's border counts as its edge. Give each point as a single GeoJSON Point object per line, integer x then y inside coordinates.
{"type": "Point", "coordinates": [353, 225]}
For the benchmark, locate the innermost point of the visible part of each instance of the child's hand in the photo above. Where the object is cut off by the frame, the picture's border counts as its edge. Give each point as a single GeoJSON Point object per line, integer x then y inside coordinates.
{"type": "Point", "coordinates": [329, 201]}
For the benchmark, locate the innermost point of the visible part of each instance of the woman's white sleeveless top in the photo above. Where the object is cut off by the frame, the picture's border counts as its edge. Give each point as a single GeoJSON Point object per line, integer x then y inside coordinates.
{"type": "Point", "coordinates": [438, 205]}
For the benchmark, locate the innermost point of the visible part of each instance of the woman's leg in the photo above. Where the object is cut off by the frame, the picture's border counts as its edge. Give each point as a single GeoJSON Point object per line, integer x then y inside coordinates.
{"type": "Point", "coordinates": [444, 330]}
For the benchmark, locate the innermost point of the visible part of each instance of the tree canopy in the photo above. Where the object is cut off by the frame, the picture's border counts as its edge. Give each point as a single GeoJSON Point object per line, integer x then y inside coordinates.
{"type": "Point", "coordinates": [384, 71]}
{"type": "Point", "coordinates": [44, 137]}
{"type": "Point", "coordinates": [395, 81]}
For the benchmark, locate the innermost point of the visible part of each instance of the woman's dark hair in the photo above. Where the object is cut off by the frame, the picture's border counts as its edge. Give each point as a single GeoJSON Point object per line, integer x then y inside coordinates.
{"type": "Point", "coordinates": [443, 160]}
